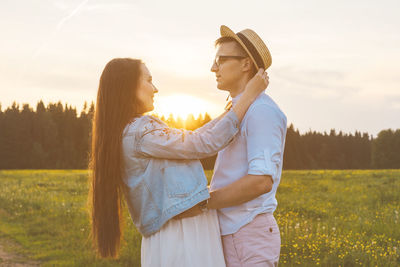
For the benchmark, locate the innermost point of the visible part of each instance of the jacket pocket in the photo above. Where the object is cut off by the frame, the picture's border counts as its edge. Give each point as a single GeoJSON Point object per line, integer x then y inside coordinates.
{"type": "Point", "coordinates": [180, 181]}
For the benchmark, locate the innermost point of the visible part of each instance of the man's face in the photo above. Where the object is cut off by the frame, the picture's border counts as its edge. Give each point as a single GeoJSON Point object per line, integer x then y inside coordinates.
{"type": "Point", "coordinates": [228, 70]}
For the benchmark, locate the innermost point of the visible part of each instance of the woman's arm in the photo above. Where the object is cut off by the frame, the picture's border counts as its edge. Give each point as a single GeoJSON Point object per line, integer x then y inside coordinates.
{"type": "Point", "coordinates": [211, 123]}
{"type": "Point", "coordinates": [159, 141]}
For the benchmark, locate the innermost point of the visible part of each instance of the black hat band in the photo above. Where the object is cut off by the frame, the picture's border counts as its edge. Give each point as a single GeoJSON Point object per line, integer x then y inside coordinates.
{"type": "Point", "coordinates": [253, 51]}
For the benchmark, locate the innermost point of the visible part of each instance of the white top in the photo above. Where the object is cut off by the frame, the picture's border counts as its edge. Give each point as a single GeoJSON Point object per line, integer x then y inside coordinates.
{"type": "Point", "coordinates": [258, 150]}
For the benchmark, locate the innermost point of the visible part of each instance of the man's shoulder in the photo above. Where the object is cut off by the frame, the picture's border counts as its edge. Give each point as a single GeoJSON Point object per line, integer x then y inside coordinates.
{"type": "Point", "coordinates": [265, 105]}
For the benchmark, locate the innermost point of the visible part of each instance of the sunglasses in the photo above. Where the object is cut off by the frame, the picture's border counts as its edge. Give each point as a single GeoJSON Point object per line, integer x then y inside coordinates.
{"type": "Point", "coordinates": [221, 59]}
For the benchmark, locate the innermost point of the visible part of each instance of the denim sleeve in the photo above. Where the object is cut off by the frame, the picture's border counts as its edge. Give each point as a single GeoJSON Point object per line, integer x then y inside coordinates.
{"type": "Point", "coordinates": [209, 125]}
{"type": "Point", "coordinates": [157, 140]}
{"type": "Point", "coordinates": [265, 134]}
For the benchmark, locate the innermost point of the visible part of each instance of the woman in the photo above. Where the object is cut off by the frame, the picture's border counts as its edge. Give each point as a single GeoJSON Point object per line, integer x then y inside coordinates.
{"type": "Point", "coordinates": [156, 168]}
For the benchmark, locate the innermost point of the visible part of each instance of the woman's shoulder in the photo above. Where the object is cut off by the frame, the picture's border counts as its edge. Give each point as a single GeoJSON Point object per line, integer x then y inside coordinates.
{"type": "Point", "coordinates": [143, 123]}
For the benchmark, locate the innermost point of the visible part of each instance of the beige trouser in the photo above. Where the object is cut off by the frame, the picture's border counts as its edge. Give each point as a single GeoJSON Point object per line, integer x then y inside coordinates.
{"type": "Point", "coordinates": [258, 243]}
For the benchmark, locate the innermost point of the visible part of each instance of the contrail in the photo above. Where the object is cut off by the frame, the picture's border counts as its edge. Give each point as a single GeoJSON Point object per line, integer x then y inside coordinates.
{"type": "Point", "coordinates": [59, 26]}
{"type": "Point", "coordinates": [73, 13]}
{"type": "Point", "coordinates": [45, 43]}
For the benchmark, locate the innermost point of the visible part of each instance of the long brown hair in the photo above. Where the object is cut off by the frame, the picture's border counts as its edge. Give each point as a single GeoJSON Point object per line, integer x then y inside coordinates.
{"type": "Point", "coordinates": [115, 107]}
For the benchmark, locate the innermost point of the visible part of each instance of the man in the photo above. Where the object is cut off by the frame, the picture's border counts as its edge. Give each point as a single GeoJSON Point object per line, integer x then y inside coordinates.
{"type": "Point", "coordinates": [247, 172]}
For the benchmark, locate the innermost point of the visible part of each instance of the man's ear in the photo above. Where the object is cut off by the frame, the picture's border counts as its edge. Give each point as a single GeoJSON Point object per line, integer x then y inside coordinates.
{"type": "Point", "coordinates": [247, 65]}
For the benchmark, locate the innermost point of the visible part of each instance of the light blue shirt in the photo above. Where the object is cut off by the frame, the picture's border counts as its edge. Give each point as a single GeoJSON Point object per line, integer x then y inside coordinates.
{"type": "Point", "coordinates": [258, 150]}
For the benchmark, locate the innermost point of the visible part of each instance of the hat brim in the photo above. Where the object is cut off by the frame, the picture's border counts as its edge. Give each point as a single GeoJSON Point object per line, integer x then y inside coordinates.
{"type": "Point", "coordinates": [226, 32]}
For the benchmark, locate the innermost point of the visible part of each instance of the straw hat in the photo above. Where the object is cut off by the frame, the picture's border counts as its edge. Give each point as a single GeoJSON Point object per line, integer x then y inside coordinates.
{"type": "Point", "coordinates": [252, 44]}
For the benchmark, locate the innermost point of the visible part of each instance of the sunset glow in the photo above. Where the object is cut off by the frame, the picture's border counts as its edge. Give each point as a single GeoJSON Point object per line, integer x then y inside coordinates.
{"type": "Point", "coordinates": [181, 105]}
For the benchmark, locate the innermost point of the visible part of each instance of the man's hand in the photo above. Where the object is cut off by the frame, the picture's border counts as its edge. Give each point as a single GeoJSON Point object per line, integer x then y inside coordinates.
{"type": "Point", "coordinates": [194, 211]}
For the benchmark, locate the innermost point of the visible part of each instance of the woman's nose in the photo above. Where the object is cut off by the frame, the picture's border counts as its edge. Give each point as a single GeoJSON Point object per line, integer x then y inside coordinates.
{"type": "Point", "coordinates": [155, 90]}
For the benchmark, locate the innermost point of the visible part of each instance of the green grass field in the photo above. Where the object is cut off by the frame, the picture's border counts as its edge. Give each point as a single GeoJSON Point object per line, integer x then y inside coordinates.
{"type": "Point", "coordinates": [327, 218]}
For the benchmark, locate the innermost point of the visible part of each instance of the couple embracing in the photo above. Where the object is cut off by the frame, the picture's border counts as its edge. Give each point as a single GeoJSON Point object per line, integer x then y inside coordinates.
{"type": "Point", "coordinates": [156, 169]}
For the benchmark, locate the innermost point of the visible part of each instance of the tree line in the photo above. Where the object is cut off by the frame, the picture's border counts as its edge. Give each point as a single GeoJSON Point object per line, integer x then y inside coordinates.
{"type": "Point", "coordinates": [56, 137]}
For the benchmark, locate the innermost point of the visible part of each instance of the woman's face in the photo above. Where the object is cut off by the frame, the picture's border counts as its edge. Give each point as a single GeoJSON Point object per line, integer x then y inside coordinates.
{"type": "Point", "coordinates": [146, 90]}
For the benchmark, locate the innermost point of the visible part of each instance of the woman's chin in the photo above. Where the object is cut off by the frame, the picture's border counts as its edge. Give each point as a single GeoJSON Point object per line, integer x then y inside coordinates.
{"type": "Point", "coordinates": [151, 108]}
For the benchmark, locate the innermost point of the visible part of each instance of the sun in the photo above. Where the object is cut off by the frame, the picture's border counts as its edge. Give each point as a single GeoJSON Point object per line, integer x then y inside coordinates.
{"type": "Point", "coordinates": [180, 105]}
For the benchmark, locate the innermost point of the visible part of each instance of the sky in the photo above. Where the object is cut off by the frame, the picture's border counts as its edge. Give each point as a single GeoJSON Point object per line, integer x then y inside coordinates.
{"type": "Point", "coordinates": [335, 64]}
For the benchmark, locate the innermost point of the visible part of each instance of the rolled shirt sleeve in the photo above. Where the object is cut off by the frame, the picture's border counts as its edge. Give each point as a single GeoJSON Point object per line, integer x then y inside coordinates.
{"type": "Point", "coordinates": [159, 141]}
{"type": "Point", "coordinates": [265, 130]}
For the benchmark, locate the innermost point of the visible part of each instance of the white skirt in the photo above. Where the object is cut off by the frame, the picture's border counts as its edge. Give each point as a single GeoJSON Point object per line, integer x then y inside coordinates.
{"type": "Point", "coordinates": [192, 242]}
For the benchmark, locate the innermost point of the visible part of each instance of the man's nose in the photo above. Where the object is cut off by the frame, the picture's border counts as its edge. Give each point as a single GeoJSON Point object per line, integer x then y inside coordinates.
{"type": "Point", "coordinates": [214, 67]}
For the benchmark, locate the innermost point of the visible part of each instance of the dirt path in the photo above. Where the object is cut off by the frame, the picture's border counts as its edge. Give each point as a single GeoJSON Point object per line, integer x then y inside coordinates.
{"type": "Point", "coordinates": [11, 259]}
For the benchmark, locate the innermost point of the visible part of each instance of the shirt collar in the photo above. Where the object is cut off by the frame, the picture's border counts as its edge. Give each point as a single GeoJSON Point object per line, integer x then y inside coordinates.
{"type": "Point", "coordinates": [236, 98]}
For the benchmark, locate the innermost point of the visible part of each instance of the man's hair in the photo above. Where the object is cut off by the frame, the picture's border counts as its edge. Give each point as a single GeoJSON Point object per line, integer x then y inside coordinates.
{"type": "Point", "coordinates": [226, 39]}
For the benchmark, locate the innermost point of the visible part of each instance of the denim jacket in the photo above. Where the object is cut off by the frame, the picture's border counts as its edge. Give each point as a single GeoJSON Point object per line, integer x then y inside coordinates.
{"type": "Point", "coordinates": [162, 174]}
